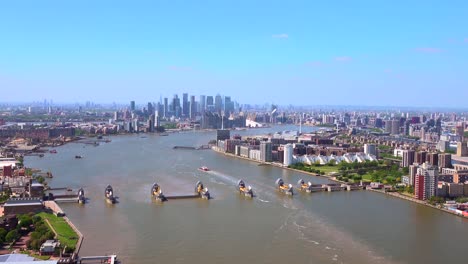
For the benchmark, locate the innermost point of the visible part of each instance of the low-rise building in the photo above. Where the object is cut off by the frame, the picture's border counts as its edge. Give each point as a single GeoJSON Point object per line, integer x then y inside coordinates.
{"type": "Point", "coordinates": [455, 190]}
{"type": "Point", "coordinates": [23, 206]}
{"type": "Point", "coordinates": [48, 247]}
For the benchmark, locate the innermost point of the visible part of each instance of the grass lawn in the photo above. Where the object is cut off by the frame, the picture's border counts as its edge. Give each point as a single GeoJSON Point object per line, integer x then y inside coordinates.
{"type": "Point", "coordinates": [326, 168]}
{"type": "Point", "coordinates": [40, 257]}
{"type": "Point", "coordinates": [66, 235]}
{"type": "Point", "coordinates": [366, 177]}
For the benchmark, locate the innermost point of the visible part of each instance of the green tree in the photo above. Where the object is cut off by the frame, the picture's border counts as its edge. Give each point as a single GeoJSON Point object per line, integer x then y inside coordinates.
{"type": "Point", "coordinates": [3, 233]}
{"type": "Point", "coordinates": [12, 236]}
{"type": "Point", "coordinates": [25, 221]}
{"type": "Point", "coordinates": [436, 200]}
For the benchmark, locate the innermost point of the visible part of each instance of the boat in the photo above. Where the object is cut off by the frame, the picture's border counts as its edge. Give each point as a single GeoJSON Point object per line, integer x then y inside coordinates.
{"type": "Point", "coordinates": [53, 151]}
{"type": "Point", "coordinates": [109, 195]}
{"type": "Point", "coordinates": [203, 192]}
{"type": "Point", "coordinates": [41, 155]}
{"type": "Point", "coordinates": [303, 186]}
{"type": "Point", "coordinates": [157, 194]}
{"type": "Point", "coordinates": [283, 188]}
{"type": "Point", "coordinates": [246, 191]}
{"type": "Point", "coordinates": [78, 157]}
{"type": "Point", "coordinates": [81, 197]}
{"type": "Point", "coordinates": [204, 168]}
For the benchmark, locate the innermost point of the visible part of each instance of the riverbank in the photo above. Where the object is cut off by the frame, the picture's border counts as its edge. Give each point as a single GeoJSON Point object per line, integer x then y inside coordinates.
{"type": "Point", "coordinates": [279, 165]}
{"type": "Point", "coordinates": [414, 200]}
{"type": "Point", "coordinates": [394, 194]}
{"type": "Point", "coordinates": [67, 233]}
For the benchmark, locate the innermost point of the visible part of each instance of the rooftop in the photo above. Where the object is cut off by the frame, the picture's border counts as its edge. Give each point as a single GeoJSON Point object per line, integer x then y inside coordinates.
{"type": "Point", "coordinates": [23, 201]}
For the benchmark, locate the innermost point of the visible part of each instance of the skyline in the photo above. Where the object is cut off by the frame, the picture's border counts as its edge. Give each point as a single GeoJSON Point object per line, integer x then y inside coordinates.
{"type": "Point", "coordinates": [254, 52]}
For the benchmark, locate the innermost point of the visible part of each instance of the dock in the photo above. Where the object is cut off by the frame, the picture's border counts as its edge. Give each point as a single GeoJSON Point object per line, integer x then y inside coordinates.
{"type": "Point", "coordinates": [111, 259]}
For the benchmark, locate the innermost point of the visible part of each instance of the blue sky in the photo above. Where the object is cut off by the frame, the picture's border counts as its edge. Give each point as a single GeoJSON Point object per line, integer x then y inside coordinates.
{"type": "Point", "coordinates": [395, 53]}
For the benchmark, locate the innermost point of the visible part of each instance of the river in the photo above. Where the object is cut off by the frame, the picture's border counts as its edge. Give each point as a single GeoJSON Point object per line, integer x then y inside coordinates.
{"type": "Point", "coordinates": [340, 227]}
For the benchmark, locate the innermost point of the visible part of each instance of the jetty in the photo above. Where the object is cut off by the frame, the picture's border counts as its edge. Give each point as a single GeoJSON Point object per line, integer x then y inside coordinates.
{"type": "Point", "coordinates": [111, 259]}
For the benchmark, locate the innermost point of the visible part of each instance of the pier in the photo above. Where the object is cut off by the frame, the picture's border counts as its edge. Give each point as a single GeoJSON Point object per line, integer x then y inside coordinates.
{"type": "Point", "coordinates": [202, 147]}
{"type": "Point", "coordinates": [111, 259]}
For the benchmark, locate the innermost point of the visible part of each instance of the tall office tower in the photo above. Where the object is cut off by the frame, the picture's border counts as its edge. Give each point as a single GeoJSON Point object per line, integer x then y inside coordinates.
{"type": "Point", "coordinates": [193, 107]}
{"type": "Point", "coordinates": [218, 103]}
{"type": "Point", "coordinates": [116, 116]}
{"type": "Point", "coordinates": [228, 105]}
{"type": "Point", "coordinates": [395, 127]}
{"type": "Point", "coordinates": [202, 104]}
{"type": "Point", "coordinates": [185, 105]}
{"type": "Point", "coordinates": [176, 105]}
{"type": "Point", "coordinates": [150, 109]}
{"type": "Point", "coordinates": [209, 103]}
{"type": "Point", "coordinates": [166, 107]}
{"type": "Point", "coordinates": [425, 183]}
{"type": "Point", "coordinates": [408, 158]}
{"type": "Point", "coordinates": [132, 106]}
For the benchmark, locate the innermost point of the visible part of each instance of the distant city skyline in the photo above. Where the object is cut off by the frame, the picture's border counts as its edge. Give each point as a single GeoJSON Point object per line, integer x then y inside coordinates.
{"type": "Point", "coordinates": [395, 54]}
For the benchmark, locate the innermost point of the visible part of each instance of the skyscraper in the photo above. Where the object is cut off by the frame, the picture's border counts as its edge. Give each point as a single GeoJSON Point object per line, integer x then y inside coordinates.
{"type": "Point", "coordinates": [193, 107]}
{"type": "Point", "coordinates": [218, 103]}
{"type": "Point", "coordinates": [166, 108]}
{"type": "Point", "coordinates": [132, 106]}
{"type": "Point", "coordinates": [202, 104]}
{"type": "Point", "coordinates": [228, 105]}
{"type": "Point", "coordinates": [185, 105]}
{"type": "Point", "coordinates": [150, 109]}
{"type": "Point", "coordinates": [209, 103]}
{"type": "Point", "coordinates": [176, 105]}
